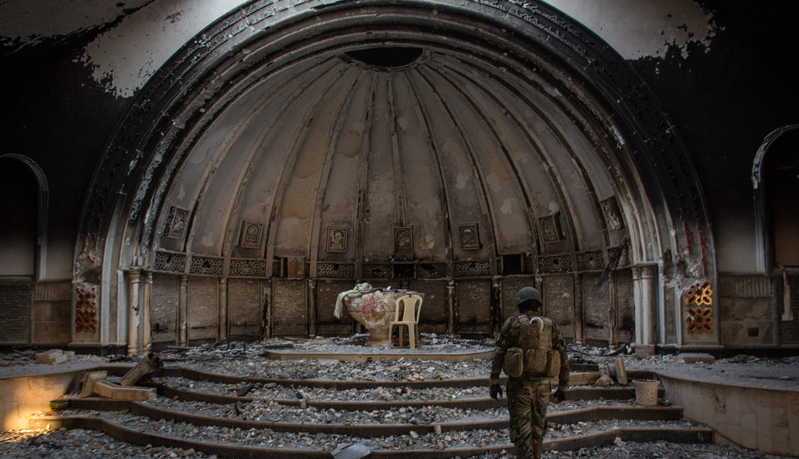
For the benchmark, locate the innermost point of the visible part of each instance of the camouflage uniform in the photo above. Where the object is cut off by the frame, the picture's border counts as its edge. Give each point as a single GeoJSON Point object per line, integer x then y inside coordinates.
{"type": "Point", "coordinates": [527, 396]}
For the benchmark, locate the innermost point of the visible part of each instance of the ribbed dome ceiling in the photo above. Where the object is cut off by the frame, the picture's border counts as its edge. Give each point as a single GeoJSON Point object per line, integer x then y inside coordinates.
{"type": "Point", "coordinates": [338, 157]}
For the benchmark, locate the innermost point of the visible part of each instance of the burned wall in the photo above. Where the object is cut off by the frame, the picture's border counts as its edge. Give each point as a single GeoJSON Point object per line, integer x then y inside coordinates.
{"type": "Point", "coordinates": [245, 306]}
{"type": "Point", "coordinates": [203, 309]}
{"type": "Point", "coordinates": [164, 302]}
{"type": "Point", "coordinates": [15, 308]}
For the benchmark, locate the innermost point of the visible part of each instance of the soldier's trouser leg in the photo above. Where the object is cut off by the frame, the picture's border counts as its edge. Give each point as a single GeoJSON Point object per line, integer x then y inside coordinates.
{"type": "Point", "coordinates": [527, 406]}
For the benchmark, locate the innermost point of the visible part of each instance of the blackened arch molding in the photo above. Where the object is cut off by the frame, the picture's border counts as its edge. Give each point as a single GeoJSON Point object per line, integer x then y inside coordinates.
{"type": "Point", "coordinates": [170, 108]}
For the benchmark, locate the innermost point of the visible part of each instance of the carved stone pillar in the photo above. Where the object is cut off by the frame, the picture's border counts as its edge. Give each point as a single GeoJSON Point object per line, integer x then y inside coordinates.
{"type": "Point", "coordinates": [183, 311]}
{"type": "Point", "coordinates": [268, 309]}
{"type": "Point", "coordinates": [613, 312]}
{"type": "Point", "coordinates": [134, 278]}
{"type": "Point", "coordinates": [579, 337]}
{"type": "Point", "coordinates": [451, 306]}
{"type": "Point", "coordinates": [647, 305]}
{"type": "Point", "coordinates": [312, 326]}
{"type": "Point", "coordinates": [638, 311]}
{"type": "Point", "coordinates": [146, 325]}
{"type": "Point", "coordinates": [222, 309]}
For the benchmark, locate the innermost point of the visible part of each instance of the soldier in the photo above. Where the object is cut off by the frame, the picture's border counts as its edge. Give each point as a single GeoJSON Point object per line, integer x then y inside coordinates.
{"type": "Point", "coordinates": [530, 349]}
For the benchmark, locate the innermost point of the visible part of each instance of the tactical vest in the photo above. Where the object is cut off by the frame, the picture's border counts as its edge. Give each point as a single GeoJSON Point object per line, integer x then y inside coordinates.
{"type": "Point", "coordinates": [534, 356]}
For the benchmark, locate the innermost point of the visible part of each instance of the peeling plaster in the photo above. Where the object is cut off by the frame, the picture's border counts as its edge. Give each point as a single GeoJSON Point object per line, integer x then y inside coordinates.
{"type": "Point", "coordinates": [29, 22]}
{"type": "Point", "coordinates": [637, 29]}
{"type": "Point", "coordinates": [126, 56]}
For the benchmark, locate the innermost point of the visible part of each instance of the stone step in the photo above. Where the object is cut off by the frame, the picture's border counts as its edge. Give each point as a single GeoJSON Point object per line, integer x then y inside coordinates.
{"type": "Point", "coordinates": [255, 443]}
{"type": "Point", "coordinates": [197, 375]}
{"type": "Point", "coordinates": [376, 424]}
{"type": "Point", "coordinates": [331, 401]}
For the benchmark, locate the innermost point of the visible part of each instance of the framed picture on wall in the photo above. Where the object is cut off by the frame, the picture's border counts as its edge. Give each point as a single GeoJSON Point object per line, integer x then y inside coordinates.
{"type": "Point", "coordinates": [337, 239]}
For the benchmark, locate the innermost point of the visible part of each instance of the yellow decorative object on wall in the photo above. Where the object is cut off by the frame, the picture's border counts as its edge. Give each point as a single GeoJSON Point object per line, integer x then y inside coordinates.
{"type": "Point", "coordinates": [700, 319]}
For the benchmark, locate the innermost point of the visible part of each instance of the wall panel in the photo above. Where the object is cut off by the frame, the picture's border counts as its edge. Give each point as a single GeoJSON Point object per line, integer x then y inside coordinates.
{"type": "Point", "coordinates": [289, 307]}
{"type": "Point", "coordinates": [163, 308]}
{"type": "Point", "coordinates": [203, 314]}
{"type": "Point", "coordinates": [245, 308]}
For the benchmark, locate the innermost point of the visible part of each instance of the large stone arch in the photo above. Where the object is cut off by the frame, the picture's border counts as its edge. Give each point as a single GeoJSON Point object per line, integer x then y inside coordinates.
{"type": "Point", "coordinates": [520, 100]}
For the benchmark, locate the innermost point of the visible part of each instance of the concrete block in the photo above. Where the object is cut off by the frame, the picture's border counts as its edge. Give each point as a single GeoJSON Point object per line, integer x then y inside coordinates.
{"type": "Point", "coordinates": [643, 351]}
{"type": "Point", "coordinates": [116, 392]}
{"type": "Point", "coordinates": [90, 380]}
{"type": "Point", "coordinates": [51, 356]}
{"type": "Point", "coordinates": [696, 358]}
{"type": "Point", "coordinates": [621, 371]}
{"type": "Point", "coordinates": [583, 378]}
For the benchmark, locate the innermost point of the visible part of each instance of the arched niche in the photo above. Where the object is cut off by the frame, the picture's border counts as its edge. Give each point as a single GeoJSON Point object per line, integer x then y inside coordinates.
{"type": "Point", "coordinates": [774, 177]}
{"type": "Point", "coordinates": [29, 199]}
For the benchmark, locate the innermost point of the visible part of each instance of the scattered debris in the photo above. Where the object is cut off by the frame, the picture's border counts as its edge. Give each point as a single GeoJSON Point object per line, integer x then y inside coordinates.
{"type": "Point", "coordinates": [696, 358]}
{"type": "Point", "coordinates": [356, 451]}
{"type": "Point", "coordinates": [54, 356]}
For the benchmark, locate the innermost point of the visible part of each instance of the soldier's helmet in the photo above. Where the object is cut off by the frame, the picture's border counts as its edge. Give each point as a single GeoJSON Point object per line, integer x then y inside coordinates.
{"type": "Point", "coordinates": [527, 294]}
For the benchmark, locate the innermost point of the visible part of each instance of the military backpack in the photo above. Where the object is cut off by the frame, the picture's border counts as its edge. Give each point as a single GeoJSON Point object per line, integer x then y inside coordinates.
{"type": "Point", "coordinates": [534, 356]}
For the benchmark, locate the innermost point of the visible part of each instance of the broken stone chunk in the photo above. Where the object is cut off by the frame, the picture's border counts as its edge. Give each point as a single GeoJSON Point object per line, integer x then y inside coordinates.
{"type": "Point", "coordinates": [604, 381]}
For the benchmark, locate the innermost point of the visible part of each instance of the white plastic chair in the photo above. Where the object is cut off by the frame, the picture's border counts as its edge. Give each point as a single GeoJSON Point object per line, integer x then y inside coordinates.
{"type": "Point", "coordinates": [408, 307]}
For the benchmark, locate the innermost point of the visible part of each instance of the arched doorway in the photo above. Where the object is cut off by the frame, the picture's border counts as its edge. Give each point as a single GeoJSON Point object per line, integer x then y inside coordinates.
{"type": "Point", "coordinates": [23, 227]}
{"type": "Point", "coordinates": [463, 149]}
{"type": "Point", "coordinates": [776, 180]}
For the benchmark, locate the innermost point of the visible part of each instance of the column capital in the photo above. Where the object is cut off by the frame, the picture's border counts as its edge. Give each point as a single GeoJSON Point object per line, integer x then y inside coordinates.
{"type": "Point", "coordinates": [135, 275]}
{"type": "Point", "coordinates": [647, 271]}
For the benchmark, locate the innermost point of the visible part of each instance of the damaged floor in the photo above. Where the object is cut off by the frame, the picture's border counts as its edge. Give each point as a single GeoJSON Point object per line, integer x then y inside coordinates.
{"type": "Point", "coordinates": [422, 402]}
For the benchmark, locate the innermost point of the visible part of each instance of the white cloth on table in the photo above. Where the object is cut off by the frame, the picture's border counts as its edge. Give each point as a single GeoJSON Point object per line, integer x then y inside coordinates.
{"type": "Point", "coordinates": [359, 288]}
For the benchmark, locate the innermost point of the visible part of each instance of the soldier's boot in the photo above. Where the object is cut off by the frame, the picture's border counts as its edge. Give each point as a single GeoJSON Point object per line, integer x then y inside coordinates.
{"type": "Point", "coordinates": [537, 449]}
{"type": "Point", "coordinates": [523, 453]}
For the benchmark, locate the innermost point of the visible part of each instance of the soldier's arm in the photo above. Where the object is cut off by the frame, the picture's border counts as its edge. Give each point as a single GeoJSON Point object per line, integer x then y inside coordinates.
{"type": "Point", "coordinates": [499, 353]}
{"type": "Point", "coordinates": [559, 345]}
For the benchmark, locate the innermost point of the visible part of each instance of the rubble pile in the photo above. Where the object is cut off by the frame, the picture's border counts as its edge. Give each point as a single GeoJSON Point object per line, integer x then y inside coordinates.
{"type": "Point", "coordinates": [292, 401]}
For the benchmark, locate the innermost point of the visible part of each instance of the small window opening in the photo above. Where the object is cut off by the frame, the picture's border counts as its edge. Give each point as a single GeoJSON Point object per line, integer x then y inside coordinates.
{"type": "Point", "coordinates": [388, 57]}
{"type": "Point", "coordinates": [513, 264]}
{"type": "Point", "coordinates": [403, 271]}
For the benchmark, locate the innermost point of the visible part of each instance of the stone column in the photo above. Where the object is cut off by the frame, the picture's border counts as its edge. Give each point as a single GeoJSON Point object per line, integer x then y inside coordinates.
{"type": "Point", "coordinates": [312, 327]}
{"type": "Point", "coordinates": [647, 307]}
{"type": "Point", "coordinates": [638, 310]}
{"type": "Point", "coordinates": [183, 310]}
{"type": "Point", "coordinates": [268, 309]}
{"type": "Point", "coordinates": [613, 312]}
{"type": "Point", "coordinates": [134, 278]}
{"type": "Point", "coordinates": [222, 310]}
{"type": "Point", "coordinates": [146, 325]}
{"type": "Point", "coordinates": [579, 337]}
{"type": "Point", "coordinates": [451, 306]}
